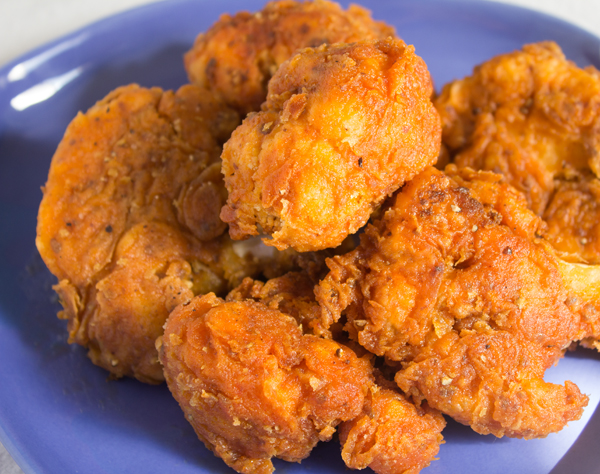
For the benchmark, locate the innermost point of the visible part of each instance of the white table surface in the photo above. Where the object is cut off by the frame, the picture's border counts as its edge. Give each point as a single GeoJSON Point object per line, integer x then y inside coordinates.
{"type": "Point", "coordinates": [26, 24]}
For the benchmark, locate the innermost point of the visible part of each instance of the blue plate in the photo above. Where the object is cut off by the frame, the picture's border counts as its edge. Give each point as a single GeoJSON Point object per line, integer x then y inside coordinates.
{"type": "Point", "coordinates": [58, 413]}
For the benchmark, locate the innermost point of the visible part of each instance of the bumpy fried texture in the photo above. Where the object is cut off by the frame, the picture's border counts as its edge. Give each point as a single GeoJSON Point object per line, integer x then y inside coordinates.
{"type": "Point", "coordinates": [253, 386]}
{"type": "Point", "coordinates": [580, 280]}
{"type": "Point", "coordinates": [583, 282]}
{"type": "Point", "coordinates": [392, 435]}
{"type": "Point", "coordinates": [238, 55]}
{"type": "Point", "coordinates": [291, 294]}
{"type": "Point", "coordinates": [573, 218]}
{"type": "Point", "coordinates": [534, 117]}
{"type": "Point", "coordinates": [474, 309]}
{"type": "Point", "coordinates": [494, 193]}
{"type": "Point", "coordinates": [343, 127]}
{"type": "Point", "coordinates": [129, 222]}
{"type": "Point", "coordinates": [530, 115]}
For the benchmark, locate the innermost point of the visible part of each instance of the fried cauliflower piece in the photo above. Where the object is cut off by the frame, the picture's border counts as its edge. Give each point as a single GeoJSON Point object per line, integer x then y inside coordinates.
{"type": "Point", "coordinates": [473, 309]}
{"type": "Point", "coordinates": [253, 386]}
{"type": "Point", "coordinates": [573, 221]}
{"type": "Point", "coordinates": [580, 280]}
{"type": "Point", "coordinates": [534, 117]}
{"type": "Point", "coordinates": [343, 127]}
{"type": "Point", "coordinates": [238, 55]}
{"type": "Point", "coordinates": [392, 435]}
{"type": "Point", "coordinates": [129, 221]}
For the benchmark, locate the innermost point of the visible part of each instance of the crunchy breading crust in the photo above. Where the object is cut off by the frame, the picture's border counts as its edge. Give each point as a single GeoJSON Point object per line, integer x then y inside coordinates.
{"type": "Point", "coordinates": [129, 220]}
{"type": "Point", "coordinates": [253, 386]}
{"type": "Point", "coordinates": [238, 55]}
{"type": "Point", "coordinates": [534, 117]}
{"type": "Point", "coordinates": [473, 309]}
{"type": "Point", "coordinates": [343, 127]}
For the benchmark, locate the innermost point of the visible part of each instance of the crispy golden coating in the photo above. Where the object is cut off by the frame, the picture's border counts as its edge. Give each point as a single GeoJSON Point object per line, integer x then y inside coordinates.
{"type": "Point", "coordinates": [343, 127]}
{"type": "Point", "coordinates": [510, 206]}
{"type": "Point", "coordinates": [573, 221]}
{"type": "Point", "coordinates": [392, 435]}
{"type": "Point", "coordinates": [474, 309]}
{"type": "Point", "coordinates": [253, 386]}
{"type": "Point", "coordinates": [238, 55]}
{"type": "Point", "coordinates": [534, 117]}
{"type": "Point", "coordinates": [580, 280]}
{"type": "Point", "coordinates": [530, 115]}
{"type": "Point", "coordinates": [573, 218]}
{"type": "Point", "coordinates": [118, 315]}
{"type": "Point", "coordinates": [129, 220]}
{"type": "Point", "coordinates": [116, 165]}
{"type": "Point", "coordinates": [291, 294]}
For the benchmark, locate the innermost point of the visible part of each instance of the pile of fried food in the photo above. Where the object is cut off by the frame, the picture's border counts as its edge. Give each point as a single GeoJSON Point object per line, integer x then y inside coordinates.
{"type": "Point", "coordinates": [479, 256]}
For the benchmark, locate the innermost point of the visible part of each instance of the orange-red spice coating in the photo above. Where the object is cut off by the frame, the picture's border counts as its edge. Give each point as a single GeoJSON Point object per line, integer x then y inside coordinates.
{"type": "Point", "coordinates": [237, 56]}
{"type": "Point", "coordinates": [343, 127]}
{"type": "Point", "coordinates": [534, 117]}
{"type": "Point", "coordinates": [253, 386]}
{"type": "Point", "coordinates": [291, 294]}
{"type": "Point", "coordinates": [573, 218]}
{"type": "Point", "coordinates": [129, 220]}
{"type": "Point", "coordinates": [581, 280]}
{"type": "Point", "coordinates": [392, 435]}
{"type": "Point", "coordinates": [475, 311]}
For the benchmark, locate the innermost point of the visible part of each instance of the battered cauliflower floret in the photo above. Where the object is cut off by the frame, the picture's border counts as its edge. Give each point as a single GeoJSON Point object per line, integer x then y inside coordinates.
{"type": "Point", "coordinates": [129, 221]}
{"type": "Point", "coordinates": [471, 310]}
{"type": "Point", "coordinates": [534, 117]}
{"type": "Point", "coordinates": [253, 386]}
{"type": "Point", "coordinates": [238, 55]}
{"type": "Point", "coordinates": [392, 435]}
{"type": "Point", "coordinates": [344, 126]}
{"type": "Point", "coordinates": [573, 219]}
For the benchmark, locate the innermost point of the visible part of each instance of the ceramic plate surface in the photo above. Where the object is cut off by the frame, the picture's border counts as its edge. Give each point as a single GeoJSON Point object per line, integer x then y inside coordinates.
{"type": "Point", "coordinates": [58, 412]}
